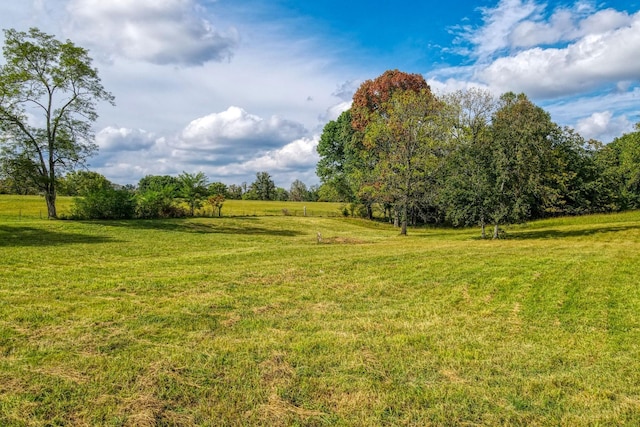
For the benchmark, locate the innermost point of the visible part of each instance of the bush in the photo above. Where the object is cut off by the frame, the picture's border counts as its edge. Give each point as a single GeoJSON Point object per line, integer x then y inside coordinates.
{"type": "Point", "coordinates": [158, 204]}
{"type": "Point", "coordinates": [104, 203]}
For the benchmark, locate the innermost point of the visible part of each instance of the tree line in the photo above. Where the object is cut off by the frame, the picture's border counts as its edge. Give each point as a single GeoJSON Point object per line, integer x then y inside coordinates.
{"type": "Point", "coordinates": [468, 158]}
{"type": "Point", "coordinates": [160, 196]}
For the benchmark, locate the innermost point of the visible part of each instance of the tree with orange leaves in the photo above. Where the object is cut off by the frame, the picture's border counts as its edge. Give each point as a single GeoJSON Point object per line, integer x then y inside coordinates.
{"type": "Point", "coordinates": [372, 96]}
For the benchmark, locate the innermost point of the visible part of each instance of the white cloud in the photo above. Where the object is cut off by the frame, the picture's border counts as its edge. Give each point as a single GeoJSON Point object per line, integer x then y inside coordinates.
{"type": "Point", "coordinates": [235, 129]}
{"type": "Point", "coordinates": [112, 139]}
{"type": "Point", "coordinates": [500, 22]}
{"type": "Point", "coordinates": [161, 32]}
{"type": "Point", "coordinates": [590, 62]}
{"type": "Point", "coordinates": [300, 153]}
{"type": "Point", "coordinates": [334, 112]}
{"type": "Point", "coordinates": [603, 126]}
{"type": "Point", "coordinates": [532, 33]}
{"type": "Point", "coordinates": [449, 85]}
{"type": "Point", "coordinates": [567, 25]}
{"type": "Point", "coordinates": [296, 158]}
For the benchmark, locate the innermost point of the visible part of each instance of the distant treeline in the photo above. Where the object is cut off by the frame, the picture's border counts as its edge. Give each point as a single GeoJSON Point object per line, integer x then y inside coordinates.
{"type": "Point", "coordinates": [159, 196]}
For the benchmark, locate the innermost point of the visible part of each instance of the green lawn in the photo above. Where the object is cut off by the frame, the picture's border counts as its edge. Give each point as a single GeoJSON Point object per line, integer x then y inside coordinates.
{"type": "Point", "coordinates": [250, 321]}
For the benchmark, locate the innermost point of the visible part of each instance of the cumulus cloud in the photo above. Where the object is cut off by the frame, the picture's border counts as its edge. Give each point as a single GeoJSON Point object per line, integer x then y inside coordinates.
{"type": "Point", "coordinates": [590, 62]}
{"type": "Point", "coordinates": [161, 32]}
{"type": "Point", "coordinates": [297, 156]}
{"type": "Point", "coordinates": [236, 130]}
{"type": "Point", "coordinates": [603, 126]}
{"type": "Point", "coordinates": [112, 139]}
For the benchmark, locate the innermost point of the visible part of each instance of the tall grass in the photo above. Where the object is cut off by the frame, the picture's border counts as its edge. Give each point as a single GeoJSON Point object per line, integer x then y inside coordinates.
{"type": "Point", "coordinates": [252, 321]}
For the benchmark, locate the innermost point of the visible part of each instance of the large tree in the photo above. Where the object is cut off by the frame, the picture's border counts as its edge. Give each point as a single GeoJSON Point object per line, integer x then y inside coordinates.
{"type": "Point", "coordinates": [408, 140]}
{"type": "Point", "coordinates": [53, 82]}
{"type": "Point", "coordinates": [521, 155]}
{"type": "Point", "coordinates": [338, 159]}
{"type": "Point", "coordinates": [619, 165]}
{"type": "Point", "coordinates": [466, 179]}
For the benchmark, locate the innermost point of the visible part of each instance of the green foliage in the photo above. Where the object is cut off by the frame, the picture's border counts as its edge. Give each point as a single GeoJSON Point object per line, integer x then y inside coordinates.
{"type": "Point", "coordinates": [158, 202]}
{"type": "Point", "coordinates": [193, 189]}
{"type": "Point", "coordinates": [218, 189]}
{"type": "Point", "coordinates": [235, 192]}
{"type": "Point", "coordinates": [338, 158]}
{"type": "Point", "coordinates": [619, 162]}
{"type": "Point", "coordinates": [298, 191]}
{"type": "Point", "coordinates": [407, 141]}
{"type": "Point", "coordinates": [104, 203]}
{"type": "Point", "coordinates": [57, 79]}
{"type": "Point", "coordinates": [280, 194]}
{"type": "Point", "coordinates": [78, 183]}
{"type": "Point", "coordinates": [166, 183]}
{"type": "Point", "coordinates": [263, 188]}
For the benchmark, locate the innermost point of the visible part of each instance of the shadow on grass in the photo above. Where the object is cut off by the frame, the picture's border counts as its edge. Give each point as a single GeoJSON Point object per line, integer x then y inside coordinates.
{"type": "Point", "coordinates": [30, 236]}
{"type": "Point", "coordinates": [559, 234]}
{"type": "Point", "coordinates": [242, 226]}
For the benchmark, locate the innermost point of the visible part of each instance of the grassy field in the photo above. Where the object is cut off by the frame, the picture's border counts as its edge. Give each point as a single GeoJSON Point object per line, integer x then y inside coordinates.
{"type": "Point", "coordinates": [23, 207]}
{"type": "Point", "coordinates": [241, 321]}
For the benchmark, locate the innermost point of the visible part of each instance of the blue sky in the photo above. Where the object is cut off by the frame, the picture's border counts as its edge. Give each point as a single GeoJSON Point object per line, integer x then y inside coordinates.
{"type": "Point", "coordinates": [231, 88]}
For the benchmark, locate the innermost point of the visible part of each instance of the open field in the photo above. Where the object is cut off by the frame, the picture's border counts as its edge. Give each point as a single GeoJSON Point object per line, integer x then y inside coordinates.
{"type": "Point", "coordinates": [23, 207]}
{"type": "Point", "coordinates": [250, 321]}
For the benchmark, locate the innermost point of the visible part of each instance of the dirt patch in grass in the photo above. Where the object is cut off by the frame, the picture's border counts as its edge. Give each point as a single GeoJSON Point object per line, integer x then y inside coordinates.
{"type": "Point", "coordinates": [341, 241]}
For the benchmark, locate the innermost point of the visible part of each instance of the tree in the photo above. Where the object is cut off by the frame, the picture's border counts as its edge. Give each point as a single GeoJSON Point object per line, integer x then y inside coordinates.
{"type": "Point", "coordinates": [218, 188]}
{"type": "Point", "coordinates": [338, 158]}
{"type": "Point", "coordinates": [193, 188]}
{"type": "Point", "coordinates": [520, 158]}
{"type": "Point", "coordinates": [234, 192]}
{"type": "Point", "coordinates": [373, 95]}
{"type": "Point", "coordinates": [55, 80]}
{"type": "Point", "coordinates": [79, 183]}
{"type": "Point", "coordinates": [216, 203]}
{"type": "Point", "coordinates": [167, 183]}
{"type": "Point", "coordinates": [280, 194]}
{"type": "Point", "coordinates": [466, 180]}
{"type": "Point", "coordinates": [298, 191]}
{"type": "Point", "coordinates": [408, 140]}
{"type": "Point", "coordinates": [571, 182]}
{"type": "Point", "coordinates": [263, 187]}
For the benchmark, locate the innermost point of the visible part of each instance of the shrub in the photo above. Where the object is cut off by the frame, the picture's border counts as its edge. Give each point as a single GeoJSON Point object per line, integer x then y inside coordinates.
{"type": "Point", "coordinates": [104, 203]}
{"type": "Point", "coordinates": [158, 204]}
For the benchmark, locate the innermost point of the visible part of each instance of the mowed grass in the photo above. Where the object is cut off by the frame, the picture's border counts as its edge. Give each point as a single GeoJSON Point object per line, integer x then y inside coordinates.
{"type": "Point", "coordinates": [252, 321]}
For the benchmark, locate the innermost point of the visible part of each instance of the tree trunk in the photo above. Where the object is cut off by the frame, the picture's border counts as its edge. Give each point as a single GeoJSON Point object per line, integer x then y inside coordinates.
{"type": "Point", "coordinates": [496, 232]}
{"type": "Point", "coordinates": [484, 233]}
{"type": "Point", "coordinates": [50, 197]}
{"type": "Point", "coordinates": [403, 230]}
